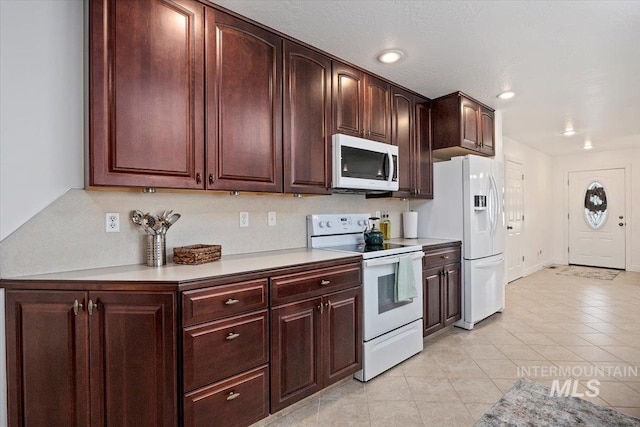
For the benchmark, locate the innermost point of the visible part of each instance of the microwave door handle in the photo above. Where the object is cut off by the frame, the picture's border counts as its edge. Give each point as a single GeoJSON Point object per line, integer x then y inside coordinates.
{"type": "Point", "coordinates": [390, 162]}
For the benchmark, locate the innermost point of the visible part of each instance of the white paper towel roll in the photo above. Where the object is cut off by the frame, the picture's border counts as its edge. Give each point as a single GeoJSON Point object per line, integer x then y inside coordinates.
{"type": "Point", "coordinates": [410, 224]}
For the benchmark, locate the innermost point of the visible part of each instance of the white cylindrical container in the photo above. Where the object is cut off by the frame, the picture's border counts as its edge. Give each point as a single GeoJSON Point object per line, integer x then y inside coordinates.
{"type": "Point", "coordinates": [410, 224]}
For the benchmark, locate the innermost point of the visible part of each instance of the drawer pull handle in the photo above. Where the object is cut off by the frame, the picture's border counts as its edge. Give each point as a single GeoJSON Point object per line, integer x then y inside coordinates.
{"type": "Point", "coordinates": [232, 336]}
{"type": "Point", "coordinates": [231, 301]}
{"type": "Point", "coordinates": [444, 256]}
{"type": "Point", "coordinates": [232, 395]}
{"type": "Point", "coordinates": [325, 282]}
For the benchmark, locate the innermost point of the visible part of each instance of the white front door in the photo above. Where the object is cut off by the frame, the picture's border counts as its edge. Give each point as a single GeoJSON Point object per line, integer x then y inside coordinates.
{"type": "Point", "coordinates": [597, 218]}
{"type": "Point", "coordinates": [514, 213]}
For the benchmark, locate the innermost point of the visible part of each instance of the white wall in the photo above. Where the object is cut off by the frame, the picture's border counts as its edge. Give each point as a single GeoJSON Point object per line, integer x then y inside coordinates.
{"type": "Point", "coordinates": [41, 108]}
{"type": "Point", "coordinates": [592, 160]}
{"type": "Point", "coordinates": [537, 231]}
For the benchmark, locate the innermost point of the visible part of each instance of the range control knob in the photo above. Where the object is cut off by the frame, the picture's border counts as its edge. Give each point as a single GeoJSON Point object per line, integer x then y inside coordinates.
{"type": "Point", "coordinates": [362, 222]}
{"type": "Point", "coordinates": [329, 224]}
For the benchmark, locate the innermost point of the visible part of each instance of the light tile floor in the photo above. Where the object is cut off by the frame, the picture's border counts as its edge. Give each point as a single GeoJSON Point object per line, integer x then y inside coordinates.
{"type": "Point", "coordinates": [554, 327]}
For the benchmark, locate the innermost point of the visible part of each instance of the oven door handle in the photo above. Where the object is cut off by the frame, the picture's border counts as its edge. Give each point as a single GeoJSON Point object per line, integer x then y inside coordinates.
{"type": "Point", "coordinates": [391, 260]}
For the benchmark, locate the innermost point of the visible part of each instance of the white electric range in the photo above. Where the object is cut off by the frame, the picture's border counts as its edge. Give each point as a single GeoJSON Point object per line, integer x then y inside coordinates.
{"type": "Point", "coordinates": [392, 330]}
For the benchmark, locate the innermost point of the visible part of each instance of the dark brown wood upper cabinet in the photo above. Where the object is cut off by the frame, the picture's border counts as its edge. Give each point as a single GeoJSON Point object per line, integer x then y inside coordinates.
{"type": "Point", "coordinates": [348, 100]}
{"type": "Point", "coordinates": [146, 91]}
{"type": "Point", "coordinates": [462, 125]}
{"type": "Point", "coordinates": [377, 109]}
{"type": "Point", "coordinates": [424, 156]}
{"type": "Point", "coordinates": [402, 135]}
{"type": "Point", "coordinates": [306, 120]}
{"type": "Point", "coordinates": [361, 104]}
{"type": "Point", "coordinates": [244, 105]}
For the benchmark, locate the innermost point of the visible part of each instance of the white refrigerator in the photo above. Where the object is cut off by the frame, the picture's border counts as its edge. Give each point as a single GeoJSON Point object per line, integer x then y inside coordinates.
{"type": "Point", "coordinates": [468, 201]}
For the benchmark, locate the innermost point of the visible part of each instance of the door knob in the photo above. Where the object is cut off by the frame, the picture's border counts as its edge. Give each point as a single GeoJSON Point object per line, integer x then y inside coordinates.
{"type": "Point", "coordinates": [620, 224]}
{"type": "Point", "coordinates": [509, 227]}
{"type": "Point", "coordinates": [620, 217]}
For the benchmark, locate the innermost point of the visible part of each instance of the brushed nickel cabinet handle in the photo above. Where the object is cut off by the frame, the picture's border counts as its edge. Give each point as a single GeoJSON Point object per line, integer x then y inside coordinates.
{"type": "Point", "coordinates": [232, 336]}
{"type": "Point", "coordinates": [198, 179]}
{"type": "Point", "coordinates": [328, 304]}
{"type": "Point", "coordinates": [210, 179]}
{"type": "Point", "coordinates": [231, 301]}
{"type": "Point", "coordinates": [232, 395]}
{"type": "Point", "coordinates": [77, 306]}
{"type": "Point", "coordinates": [325, 282]}
{"type": "Point", "coordinates": [444, 256]}
{"type": "Point", "coordinates": [92, 306]}
{"type": "Point", "coordinates": [321, 308]}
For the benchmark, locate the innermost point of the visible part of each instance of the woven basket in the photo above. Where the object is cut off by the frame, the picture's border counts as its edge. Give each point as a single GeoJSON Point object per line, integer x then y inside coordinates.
{"type": "Point", "coordinates": [196, 254]}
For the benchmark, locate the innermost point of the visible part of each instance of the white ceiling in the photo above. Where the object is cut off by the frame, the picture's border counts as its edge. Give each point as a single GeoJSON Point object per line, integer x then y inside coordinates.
{"type": "Point", "coordinates": [574, 62]}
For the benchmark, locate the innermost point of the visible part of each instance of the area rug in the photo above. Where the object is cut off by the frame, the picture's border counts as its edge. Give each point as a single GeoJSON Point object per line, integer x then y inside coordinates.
{"type": "Point", "coordinates": [531, 404]}
{"type": "Point", "coordinates": [587, 272]}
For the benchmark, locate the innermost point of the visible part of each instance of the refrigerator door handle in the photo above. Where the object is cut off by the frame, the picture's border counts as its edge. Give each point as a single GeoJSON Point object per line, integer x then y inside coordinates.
{"type": "Point", "coordinates": [496, 204]}
{"type": "Point", "coordinates": [491, 264]}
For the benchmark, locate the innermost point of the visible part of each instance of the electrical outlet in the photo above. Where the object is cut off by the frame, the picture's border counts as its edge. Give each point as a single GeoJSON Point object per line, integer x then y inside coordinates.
{"type": "Point", "coordinates": [271, 218]}
{"type": "Point", "coordinates": [244, 219]}
{"type": "Point", "coordinates": [112, 222]}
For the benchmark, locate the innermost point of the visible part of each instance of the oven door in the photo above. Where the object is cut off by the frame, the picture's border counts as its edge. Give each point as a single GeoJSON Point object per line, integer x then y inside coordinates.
{"type": "Point", "coordinates": [381, 312]}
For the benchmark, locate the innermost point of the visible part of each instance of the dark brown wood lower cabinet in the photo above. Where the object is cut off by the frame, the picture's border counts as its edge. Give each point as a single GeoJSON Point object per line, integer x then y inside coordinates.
{"type": "Point", "coordinates": [235, 402]}
{"type": "Point", "coordinates": [99, 358]}
{"type": "Point", "coordinates": [314, 343]}
{"type": "Point", "coordinates": [432, 293]}
{"type": "Point", "coordinates": [453, 293]}
{"type": "Point", "coordinates": [442, 287]}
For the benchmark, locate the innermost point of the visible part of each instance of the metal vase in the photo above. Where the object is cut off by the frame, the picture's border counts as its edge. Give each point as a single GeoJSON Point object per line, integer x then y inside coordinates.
{"type": "Point", "coordinates": [156, 250]}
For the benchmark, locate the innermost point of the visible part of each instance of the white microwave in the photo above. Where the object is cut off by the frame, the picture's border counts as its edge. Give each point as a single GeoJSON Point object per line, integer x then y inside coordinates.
{"type": "Point", "coordinates": [362, 164]}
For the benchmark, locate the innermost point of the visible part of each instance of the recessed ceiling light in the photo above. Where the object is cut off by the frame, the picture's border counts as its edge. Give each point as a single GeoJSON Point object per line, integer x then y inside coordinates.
{"type": "Point", "coordinates": [506, 94]}
{"type": "Point", "coordinates": [587, 145]}
{"type": "Point", "coordinates": [569, 132]}
{"type": "Point", "coordinates": [390, 56]}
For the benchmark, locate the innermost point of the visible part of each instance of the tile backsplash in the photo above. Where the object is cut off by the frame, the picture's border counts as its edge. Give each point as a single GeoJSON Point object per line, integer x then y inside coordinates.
{"type": "Point", "coordinates": [70, 233]}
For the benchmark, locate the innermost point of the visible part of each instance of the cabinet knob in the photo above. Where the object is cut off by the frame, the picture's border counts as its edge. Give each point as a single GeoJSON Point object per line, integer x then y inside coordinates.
{"type": "Point", "coordinates": [232, 336]}
{"type": "Point", "coordinates": [325, 282]}
{"type": "Point", "coordinates": [210, 179]}
{"type": "Point", "coordinates": [92, 306]}
{"type": "Point", "coordinates": [77, 306]}
{"type": "Point", "coordinates": [198, 178]}
{"type": "Point", "coordinates": [232, 395]}
{"type": "Point", "coordinates": [231, 301]}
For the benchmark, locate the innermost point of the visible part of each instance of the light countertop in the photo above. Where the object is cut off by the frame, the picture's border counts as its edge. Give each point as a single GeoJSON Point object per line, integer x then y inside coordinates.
{"type": "Point", "coordinates": [176, 273]}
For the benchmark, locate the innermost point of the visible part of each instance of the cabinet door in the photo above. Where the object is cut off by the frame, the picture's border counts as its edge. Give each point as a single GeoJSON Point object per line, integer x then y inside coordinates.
{"type": "Point", "coordinates": [424, 154]}
{"type": "Point", "coordinates": [133, 359]}
{"type": "Point", "coordinates": [433, 286]}
{"type": "Point", "coordinates": [452, 293]}
{"type": "Point", "coordinates": [377, 105]}
{"type": "Point", "coordinates": [296, 337]}
{"type": "Point", "coordinates": [488, 131]}
{"type": "Point", "coordinates": [403, 136]}
{"type": "Point", "coordinates": [347, 88]}
{"type": "Point", "coordinates": [470, 123]}
{"type": "Point", "coordinates": [244, 105]}
{"type": "Point", "coordinates": [342, 335]}
{"type": "Point", "coordinates": [47, 359]}
{"type": "Point", "coordinates": [146, 93]}
{"type": "Point", "coordinates": [307, 120]}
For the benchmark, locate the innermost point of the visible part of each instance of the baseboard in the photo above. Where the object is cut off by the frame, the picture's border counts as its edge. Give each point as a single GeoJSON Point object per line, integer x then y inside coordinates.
{"type": "Point", "coordinates": [530, 270]}
{"type": "Point", "coordinates": [635, 268]}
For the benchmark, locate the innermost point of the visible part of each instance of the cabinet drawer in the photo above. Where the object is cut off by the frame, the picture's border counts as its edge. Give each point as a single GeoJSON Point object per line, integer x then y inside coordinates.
{"type": "Point", "coordinates": [238, 401]}
{"type": "Point", "coordinates": [217, 350]}
{"type": "Point", "coordinates": [208, 304]}
{"type": "Point", "coordinates": [440, 257]}
{"type": "Point", "coordinates": [292, 287]}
